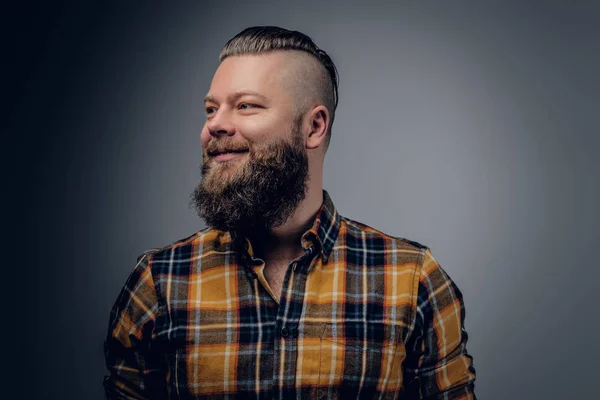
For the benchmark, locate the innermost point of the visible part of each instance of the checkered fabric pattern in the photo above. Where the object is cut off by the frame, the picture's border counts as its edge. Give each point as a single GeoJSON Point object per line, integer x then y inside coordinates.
{"type": "Point", "coordinates": [362, 315]}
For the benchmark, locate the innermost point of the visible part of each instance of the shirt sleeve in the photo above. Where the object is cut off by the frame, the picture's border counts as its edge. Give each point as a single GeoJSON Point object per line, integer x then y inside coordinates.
{"type": "Point", "coordinates": [136, 368]}
{"type": "Point", "coordinates": [438, 365]}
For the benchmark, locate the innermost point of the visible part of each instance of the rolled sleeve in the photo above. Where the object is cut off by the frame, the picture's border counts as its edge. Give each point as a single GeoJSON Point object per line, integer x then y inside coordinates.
{"type": "Point", "coordinates": [438, 365]}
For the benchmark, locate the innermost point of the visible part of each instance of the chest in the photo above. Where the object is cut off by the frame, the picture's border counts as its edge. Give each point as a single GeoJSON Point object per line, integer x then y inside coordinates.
{"type": "Point", "coordinates": [336, 331]}
{"type": "Point", "coordinates": [274, 275]}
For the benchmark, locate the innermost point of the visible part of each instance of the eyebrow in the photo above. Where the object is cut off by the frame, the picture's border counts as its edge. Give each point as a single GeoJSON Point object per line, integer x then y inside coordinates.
{"type": "Point", "coordinates": [237, 95]}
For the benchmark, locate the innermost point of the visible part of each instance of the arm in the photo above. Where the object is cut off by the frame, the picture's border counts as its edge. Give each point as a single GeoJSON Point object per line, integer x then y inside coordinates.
{"type": "Point", "coordinates": [438, 365]}
{"type": "Point", "coordinates": [136, 369]}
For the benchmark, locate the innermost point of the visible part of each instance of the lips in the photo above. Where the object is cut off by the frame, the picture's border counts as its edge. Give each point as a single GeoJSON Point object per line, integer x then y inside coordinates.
{"type": "Point", "coordinates": [225, 155]}
{"type": "Point", "coordinates": [225, 151]}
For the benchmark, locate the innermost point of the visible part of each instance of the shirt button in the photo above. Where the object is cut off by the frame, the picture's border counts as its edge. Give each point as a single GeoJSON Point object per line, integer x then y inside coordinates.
{"type": "Point", "coordinates": [284, 332]}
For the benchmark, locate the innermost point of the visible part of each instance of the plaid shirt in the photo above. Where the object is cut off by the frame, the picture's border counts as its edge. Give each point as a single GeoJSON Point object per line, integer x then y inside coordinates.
{"type": "Point", "coordinates": [361, 315]}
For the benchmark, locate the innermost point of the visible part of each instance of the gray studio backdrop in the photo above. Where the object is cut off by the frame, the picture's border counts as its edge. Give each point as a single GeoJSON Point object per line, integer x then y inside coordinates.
{"type": "Point", "coordinates": [470, 128]}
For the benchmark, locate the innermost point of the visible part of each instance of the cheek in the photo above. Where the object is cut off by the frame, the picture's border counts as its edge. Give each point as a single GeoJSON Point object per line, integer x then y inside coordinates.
{"type": "Point", "coordinates": [204, 136]}
{"type": "Point", "coordinates": [264, 132]}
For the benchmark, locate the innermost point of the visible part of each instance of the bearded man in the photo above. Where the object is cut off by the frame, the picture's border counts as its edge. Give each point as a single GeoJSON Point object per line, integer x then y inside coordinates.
{"type": "Point", "coordinates": [281, 297]}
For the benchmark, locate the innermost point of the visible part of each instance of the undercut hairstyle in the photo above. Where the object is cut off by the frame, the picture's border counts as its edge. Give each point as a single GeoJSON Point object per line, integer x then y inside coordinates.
{"type": "Point", "coordinates": [262, 39]}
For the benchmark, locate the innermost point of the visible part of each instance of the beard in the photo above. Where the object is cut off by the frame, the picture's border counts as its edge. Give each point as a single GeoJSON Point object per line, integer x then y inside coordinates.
{"type": "Point", "coordinates": [258, 194]}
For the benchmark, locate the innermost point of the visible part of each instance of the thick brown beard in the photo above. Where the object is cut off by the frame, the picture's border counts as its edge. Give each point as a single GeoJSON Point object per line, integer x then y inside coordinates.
{"type": "Point", "coordinates": [261, 194]}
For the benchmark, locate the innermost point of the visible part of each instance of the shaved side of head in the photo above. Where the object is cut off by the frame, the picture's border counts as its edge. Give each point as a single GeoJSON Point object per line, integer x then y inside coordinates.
{"type": "Point", "coordinates": [306, 77]}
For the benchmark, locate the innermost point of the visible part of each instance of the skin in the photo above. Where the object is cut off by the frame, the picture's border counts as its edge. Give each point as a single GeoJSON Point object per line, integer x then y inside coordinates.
{"type": "Point", "coordinates": [254, 100]}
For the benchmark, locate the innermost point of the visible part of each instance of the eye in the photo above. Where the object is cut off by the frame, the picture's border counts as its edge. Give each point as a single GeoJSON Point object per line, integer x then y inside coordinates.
{"type": "Point", "coordinates": [247, 106]}
{"type": "Point", "coordinates": [210, 110]}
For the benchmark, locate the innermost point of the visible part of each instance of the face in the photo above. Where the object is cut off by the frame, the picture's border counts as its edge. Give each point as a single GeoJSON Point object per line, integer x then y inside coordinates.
{"type": "Point", "coordinates": [255, 163]}
{"type": "Point", "coordinates": [247, 108]}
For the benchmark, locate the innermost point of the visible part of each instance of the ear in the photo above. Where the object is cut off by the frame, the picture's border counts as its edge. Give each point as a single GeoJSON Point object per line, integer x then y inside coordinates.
{"type": "Point", "coordinates": [319, 126]}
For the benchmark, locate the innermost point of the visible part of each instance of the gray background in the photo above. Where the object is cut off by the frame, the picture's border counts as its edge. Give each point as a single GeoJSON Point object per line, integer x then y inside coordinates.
{"type": "Point", "coordinates": [472, 128]}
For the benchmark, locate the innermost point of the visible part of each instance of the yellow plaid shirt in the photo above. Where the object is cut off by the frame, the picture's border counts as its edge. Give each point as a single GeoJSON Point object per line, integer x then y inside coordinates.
{"type": "Point", "coordinates": [362, 315]}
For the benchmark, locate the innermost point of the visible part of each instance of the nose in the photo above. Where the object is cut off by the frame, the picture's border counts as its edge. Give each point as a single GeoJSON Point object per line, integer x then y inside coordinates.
{"type": "Point", "coordinates": [220, 124]}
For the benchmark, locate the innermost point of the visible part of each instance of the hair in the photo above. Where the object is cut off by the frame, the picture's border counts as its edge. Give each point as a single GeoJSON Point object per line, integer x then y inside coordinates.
{"type": "Point", "coordinates": [262, 39]}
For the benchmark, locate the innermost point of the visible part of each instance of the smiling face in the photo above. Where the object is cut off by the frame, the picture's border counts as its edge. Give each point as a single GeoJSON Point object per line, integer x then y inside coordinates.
{"type": "Point", "coordinates": [247, 108]}
{"type": "Point", "coordinates": [255, 161]}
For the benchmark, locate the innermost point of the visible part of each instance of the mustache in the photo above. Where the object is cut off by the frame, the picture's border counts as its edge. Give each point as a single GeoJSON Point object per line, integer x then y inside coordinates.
{"type": "Point", "coordinates": [215, 147]}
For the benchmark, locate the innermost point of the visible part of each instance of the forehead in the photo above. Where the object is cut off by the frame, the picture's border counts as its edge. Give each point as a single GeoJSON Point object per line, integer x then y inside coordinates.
{"type": "Point", "coordinates": [262, 73]}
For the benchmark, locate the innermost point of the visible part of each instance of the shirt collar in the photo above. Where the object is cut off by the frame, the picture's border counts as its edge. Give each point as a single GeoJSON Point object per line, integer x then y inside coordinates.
{"type": "Point", "coordinates": [325, 229]}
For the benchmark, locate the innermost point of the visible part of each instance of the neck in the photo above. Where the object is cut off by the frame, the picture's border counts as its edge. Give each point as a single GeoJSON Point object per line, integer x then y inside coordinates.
{"type": "Point", "coordinates": [283, 242]}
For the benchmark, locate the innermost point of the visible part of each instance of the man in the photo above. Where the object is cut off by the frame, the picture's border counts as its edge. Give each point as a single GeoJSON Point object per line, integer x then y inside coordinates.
{"type": "Point", "coordinates": [281, 297]}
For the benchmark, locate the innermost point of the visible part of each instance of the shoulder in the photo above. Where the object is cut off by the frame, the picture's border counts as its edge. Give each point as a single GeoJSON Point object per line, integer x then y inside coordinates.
{"type": "Point", "coordinates": [378, 248]}
{"type": "Point", "coordinates": [355, 229]}
{"type": "Point", "coordinates": [183, 250]}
